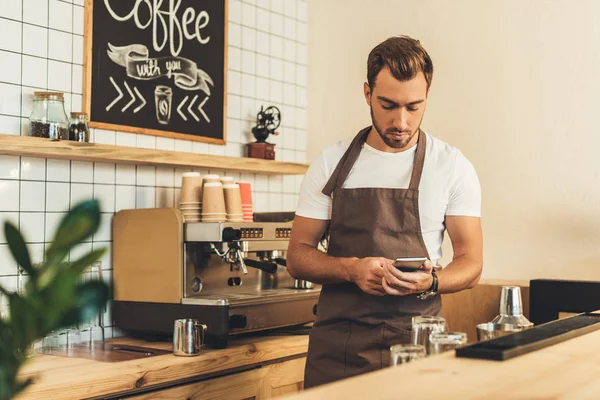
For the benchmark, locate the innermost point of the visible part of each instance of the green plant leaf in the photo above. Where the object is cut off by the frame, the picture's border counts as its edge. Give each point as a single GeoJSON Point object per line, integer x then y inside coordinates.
{"type": "Point", "coordinates": [80, 265]}
{"type": "Point", "coordinates": [92, 296]}
{"type": "Point", "coordinates": [17, 247]}
{"type": "Point", "coordinates": [78, 225]}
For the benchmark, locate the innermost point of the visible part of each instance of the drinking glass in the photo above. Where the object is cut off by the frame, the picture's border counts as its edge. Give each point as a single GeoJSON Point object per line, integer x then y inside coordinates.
{"type": "Point", "coordinates": [442, 342]}
{"type": "Point", "coordinates": [423, 326]}
{"type": "Point", "coordinates": [405, 353]}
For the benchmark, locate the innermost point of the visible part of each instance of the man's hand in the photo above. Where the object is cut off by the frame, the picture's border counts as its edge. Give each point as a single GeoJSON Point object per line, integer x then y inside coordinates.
{"type": "Point", "coordinates": [367, 274]}
{"type": "Point", "coordinates": [398, 283]}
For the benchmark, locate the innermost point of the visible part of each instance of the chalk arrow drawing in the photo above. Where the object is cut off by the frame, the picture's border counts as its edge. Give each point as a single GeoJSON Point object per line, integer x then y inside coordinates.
{"type": "Point", "coordinates": [138, 108]}
{"type": "Point", "coordinates": [190, 108]}
{"type": "Point", "coordinates": [132, 98]}
{"type": "Point", "coordinates": [179, 108]}
{"type": "Point", "coordinates": [117, 98]}
{"type": "Point", "coordinates": [202, 110]}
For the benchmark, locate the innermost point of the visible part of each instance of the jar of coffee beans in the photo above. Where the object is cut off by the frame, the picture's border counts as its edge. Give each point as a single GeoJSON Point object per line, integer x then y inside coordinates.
{"type": "Point", "coordinates": [78, 127]}
{"type": "Point", "coordinates": [48, 118]}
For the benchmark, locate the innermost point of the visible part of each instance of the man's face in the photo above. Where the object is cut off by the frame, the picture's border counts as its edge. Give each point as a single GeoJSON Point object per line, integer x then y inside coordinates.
{"type": "Point", "coordinates": [397, 107]}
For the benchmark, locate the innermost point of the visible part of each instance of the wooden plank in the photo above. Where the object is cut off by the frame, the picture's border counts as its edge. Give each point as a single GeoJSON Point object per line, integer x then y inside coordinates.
{"type": "Point", "coordinates": [68, 150]}
{"type": "Point", "coordinates": [62, 378]}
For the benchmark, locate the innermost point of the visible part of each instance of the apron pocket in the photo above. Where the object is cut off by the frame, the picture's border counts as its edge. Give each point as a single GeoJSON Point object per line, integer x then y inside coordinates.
{"type": "Point", "coordinates": [392, 335]}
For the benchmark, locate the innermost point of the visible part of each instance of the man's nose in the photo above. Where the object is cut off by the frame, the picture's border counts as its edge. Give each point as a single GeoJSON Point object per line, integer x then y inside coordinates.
{"type": "Point", "coordinates": [401, 120]}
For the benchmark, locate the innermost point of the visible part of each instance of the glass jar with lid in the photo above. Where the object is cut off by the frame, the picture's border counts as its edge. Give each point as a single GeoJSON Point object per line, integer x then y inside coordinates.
{"type": "Point", "coordinates": [79, 130]}
{"type": "Point", "coordinates": [48, 118]}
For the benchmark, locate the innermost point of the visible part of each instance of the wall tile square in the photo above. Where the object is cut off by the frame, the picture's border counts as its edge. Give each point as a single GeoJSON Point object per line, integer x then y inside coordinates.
{"type": "Point", "coordinates": [248, 15]}
{"type": "Point", "coordinates": [35, 12]}
{"type": "Point", "coordinates": [77, 79]}
{"type": "Point", "coordinates": [57, 196]}
{"type": "Point", "coordinates": [248, 38]}
{"type": "Point", "coordinates": [9, 167]}
{"type": "Point", "coordinates": [10, 100]}
{"type": "Point", "coordinates": [35, 72]}
{"type": "Point", "coordinates": [35, 40]}
{"type": "Point", "coordinates": [60, 15]}
{"type": "Point", "coordinates": [60, 46]}
{"type": "Point", "coordinates": [10, 35]}
{"type": "Point", "coordinates": [105, 194]}
{"type": "Point", "coordinates": [82, 171]}
{"type": "Point", "coordinates": [126, 139]}
{"type": "Point", "coordinates": [104, 173]}
{"type": "Point", "coordinates": [248, 62]}
{"type": "Point", "coordinates": [30, 224]}
{"type": "Point", "coordinates": [125, 198]}
{"type": "Point", "coordinates": [11, 67]}
{"type": "Point", "coordinates": [58, 170]}
{"type": "Point", "coordinates": [125, 174]}
{"type": "Point", "coordinates": [165, 176]}
{"type": "Point", "coordinates": [234, 59]}
{"type": "Point", "coordinates": [81, 192]}
{"type": "Point", "coordinates": [11, 9]}
{"type": "Point", "coordinates": [146, 175]}
{"type": "Point", "coordinates": [33, 195]}
{"type": "Point", "coordinates": [146, 141]}
{"type": "Point", "coordinates": [165, 197]}
{"type": "Point", "coordinates": [8, 265]}
{"type": "Point", "coordinates": [234, 34]}
{"type": "Point", "coordinates": [145, 197]}
{"type": "Point", "coordinates": [165, 143]}
{"type": "Point", "coordinates": [59, 76]}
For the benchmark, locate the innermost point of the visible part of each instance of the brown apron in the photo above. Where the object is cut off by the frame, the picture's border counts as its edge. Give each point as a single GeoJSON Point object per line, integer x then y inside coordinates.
{"type": "Point", "coordinates": [354, 330]}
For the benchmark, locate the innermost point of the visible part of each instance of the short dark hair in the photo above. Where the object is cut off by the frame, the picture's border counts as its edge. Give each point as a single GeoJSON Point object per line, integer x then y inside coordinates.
{"type": "Point", "coordinates": [403, 56]}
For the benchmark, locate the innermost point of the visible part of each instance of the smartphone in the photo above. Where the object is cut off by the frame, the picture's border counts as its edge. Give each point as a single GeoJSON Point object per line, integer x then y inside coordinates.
{"type": "Point", "coordinates": [409, 264]}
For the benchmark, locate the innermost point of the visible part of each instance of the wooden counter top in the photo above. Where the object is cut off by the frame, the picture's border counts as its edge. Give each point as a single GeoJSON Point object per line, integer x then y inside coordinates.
{"type": "Point", "coordinates": [76, 378]}
{"type": "Point", "coordinates": [568, 370]}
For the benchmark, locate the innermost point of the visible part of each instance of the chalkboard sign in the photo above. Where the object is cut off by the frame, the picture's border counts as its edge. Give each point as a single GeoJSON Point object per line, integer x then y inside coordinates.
{"type": "Point", "coordinates": [157, 67]}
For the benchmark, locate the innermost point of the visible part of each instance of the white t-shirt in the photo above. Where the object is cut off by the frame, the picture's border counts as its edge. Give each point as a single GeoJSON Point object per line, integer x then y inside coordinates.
{"type": "Point", "coordinates": [449, 184]}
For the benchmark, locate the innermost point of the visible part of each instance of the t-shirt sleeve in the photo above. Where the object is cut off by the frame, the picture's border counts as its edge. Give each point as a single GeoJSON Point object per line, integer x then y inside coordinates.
{"type": "Point", "coordinates": [312, 203]}
{"type": "Point", "coordinates": [465, 190]}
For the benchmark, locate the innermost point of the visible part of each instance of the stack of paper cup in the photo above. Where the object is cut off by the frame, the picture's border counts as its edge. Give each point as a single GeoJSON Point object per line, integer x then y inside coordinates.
{"type": "Point", "coordinates": [233, 202]}
{"type": "Point", "coordinates": [191, 196]}
{"type": "Point", "coordinates": [213, 202]}
{"type": "Point", "coordinates": [227, 180]}
{"type": "Point", "coordinates": [246, 197]}
{"type": "Point", "coordinates": [211, 178]}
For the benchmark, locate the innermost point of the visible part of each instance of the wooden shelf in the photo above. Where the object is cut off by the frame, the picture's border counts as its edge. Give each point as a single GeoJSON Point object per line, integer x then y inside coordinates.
{"type": "Point", "coordinates": [67, 150]}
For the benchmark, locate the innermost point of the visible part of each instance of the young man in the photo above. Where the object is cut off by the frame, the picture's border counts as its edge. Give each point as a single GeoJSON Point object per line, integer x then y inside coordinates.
{"type": "Point", "coordinates": [391, 192]}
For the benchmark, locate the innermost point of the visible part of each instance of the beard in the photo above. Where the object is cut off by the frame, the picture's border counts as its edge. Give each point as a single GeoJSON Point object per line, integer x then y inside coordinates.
{"type": "Point", "coordinates": [386, 134]}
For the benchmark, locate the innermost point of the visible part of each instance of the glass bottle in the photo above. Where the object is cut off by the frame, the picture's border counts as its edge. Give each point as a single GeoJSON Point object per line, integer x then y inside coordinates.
{"type": "Point", "coordinates": [48, 118]}
{"type": "Point", "coordinates": [79, 130]}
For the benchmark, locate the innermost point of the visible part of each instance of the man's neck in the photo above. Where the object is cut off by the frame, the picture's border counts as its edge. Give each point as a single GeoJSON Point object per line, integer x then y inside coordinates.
{"type": "Point", "coordinates": [374, 140]}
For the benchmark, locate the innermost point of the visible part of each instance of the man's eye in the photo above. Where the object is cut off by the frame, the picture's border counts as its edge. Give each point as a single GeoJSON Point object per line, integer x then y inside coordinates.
{"type": "Point", "coordinates": [412, 108]}
{"type": "Point", "coordinates": [389, 107]}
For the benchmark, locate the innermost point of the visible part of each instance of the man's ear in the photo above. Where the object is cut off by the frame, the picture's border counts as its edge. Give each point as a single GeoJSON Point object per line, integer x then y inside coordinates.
{"type": "Point", "coordinates": [367, 90]}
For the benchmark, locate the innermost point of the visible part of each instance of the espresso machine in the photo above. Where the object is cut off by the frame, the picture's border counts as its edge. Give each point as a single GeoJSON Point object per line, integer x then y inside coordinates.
{"type": "Point", "coordinates": [232, 277]}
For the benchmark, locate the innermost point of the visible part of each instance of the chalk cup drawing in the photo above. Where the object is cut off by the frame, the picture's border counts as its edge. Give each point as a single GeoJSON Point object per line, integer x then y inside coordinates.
{"type": "Point", "coordinates": [163, 96]}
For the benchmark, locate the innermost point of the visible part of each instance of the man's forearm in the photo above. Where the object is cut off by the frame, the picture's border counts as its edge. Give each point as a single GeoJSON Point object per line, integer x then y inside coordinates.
{"type": "Point", "coordinates": [307, 263]}
{"type": "Point", "coordinates": [462, 273]}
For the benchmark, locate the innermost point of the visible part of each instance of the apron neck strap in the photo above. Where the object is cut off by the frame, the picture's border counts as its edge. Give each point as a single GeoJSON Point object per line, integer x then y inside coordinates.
{"type": "Point", "coordinates": [415, 178]}
{"type": "Point", "coordinates": [344, 166]}
{"type": "Point", "coordinates": [341, 171]}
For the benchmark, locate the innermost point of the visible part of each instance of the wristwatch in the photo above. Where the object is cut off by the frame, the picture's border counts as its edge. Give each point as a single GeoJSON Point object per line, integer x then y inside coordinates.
{"type": "Point", "coordinates": [433, 290]}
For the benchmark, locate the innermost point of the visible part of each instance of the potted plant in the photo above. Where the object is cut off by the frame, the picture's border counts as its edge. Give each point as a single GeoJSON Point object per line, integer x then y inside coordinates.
{"type": "Point", "coordinates": [54, 297]}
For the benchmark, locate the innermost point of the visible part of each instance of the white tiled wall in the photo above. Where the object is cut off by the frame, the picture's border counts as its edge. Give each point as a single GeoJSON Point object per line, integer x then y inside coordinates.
{"type": "Point", "coordinates": [41, 48]}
